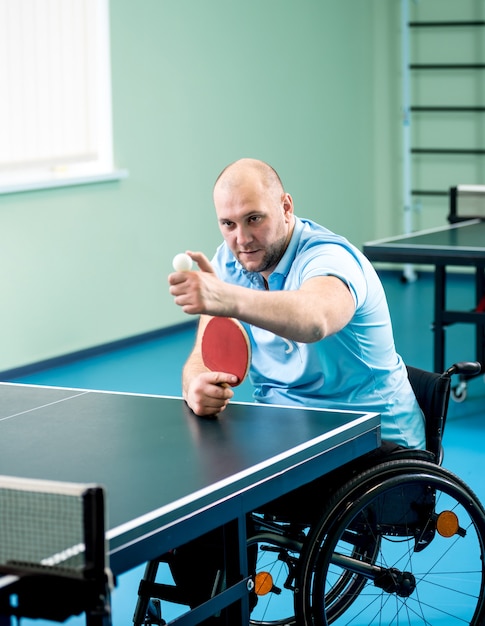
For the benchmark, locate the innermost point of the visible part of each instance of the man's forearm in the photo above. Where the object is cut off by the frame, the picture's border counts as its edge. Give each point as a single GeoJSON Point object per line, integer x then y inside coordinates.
{"type": "Point", "coordinates": [319, 308]}
{"type": "Point", "coordinates": [193, 366]}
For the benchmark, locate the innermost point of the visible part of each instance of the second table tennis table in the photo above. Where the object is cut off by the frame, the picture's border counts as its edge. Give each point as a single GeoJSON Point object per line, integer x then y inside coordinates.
{"type": "Point", "coordinates": [169, 475]}
{"type": "Point", "coordinates": [461, 244]}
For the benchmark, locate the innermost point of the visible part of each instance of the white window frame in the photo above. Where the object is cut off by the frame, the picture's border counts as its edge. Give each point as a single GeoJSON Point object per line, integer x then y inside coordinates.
{"type": "Point", "coordinates": [55, 94]}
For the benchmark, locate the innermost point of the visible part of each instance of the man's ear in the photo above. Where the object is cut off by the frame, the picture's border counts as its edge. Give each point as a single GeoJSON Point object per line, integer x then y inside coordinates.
{"type": "Point", "coordinates": [287, 201]}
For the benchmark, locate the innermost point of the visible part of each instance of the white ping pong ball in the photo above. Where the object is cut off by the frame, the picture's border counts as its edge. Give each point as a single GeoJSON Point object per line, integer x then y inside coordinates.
{"type": "Point", "coordinates": [182, 262]}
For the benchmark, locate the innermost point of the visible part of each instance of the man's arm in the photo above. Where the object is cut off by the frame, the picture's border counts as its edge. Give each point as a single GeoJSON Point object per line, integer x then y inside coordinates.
{"type": "Point", "coordinates": [321, 307]}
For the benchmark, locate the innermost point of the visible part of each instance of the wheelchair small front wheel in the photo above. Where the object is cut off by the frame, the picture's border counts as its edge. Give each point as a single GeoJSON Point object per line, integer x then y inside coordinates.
{"type": "Point", "coordinates": [276, 557]}
{"type": "Point", "coordinates": [424, 564]}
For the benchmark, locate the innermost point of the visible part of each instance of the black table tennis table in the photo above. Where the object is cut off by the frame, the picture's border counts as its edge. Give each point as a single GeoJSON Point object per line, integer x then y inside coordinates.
{"type": "Point", "coordinates": [169, 475]}
{"type": "Point", "coordinates": [460, 244]}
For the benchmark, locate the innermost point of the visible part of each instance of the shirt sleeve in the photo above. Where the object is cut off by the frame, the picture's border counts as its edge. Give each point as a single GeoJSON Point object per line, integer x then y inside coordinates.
{"type": "Point", "coordinates": [335, 260]}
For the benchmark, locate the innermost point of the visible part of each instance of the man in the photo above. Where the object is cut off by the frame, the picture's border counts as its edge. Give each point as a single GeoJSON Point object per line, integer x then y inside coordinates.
{"type": "Point", "coordinates": [313, 306]}
{"type": "Point", "coordinates": [318, 321]}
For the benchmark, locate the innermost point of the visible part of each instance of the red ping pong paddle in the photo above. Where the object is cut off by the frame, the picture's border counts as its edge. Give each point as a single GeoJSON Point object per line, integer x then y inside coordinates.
{"type": "Point", "coordinates": [226, 347]}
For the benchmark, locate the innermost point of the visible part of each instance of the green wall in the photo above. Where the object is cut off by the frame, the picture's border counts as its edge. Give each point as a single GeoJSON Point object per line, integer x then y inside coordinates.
{"type": "Point", "coordinates": [311, 86]}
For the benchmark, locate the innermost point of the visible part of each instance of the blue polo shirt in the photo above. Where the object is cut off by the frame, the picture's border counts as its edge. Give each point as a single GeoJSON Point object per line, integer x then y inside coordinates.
{"type": "Point", "coordinates": [358, 367]}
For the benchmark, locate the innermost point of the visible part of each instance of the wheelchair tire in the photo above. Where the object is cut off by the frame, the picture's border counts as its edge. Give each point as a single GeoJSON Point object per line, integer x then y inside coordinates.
{"type": "Point", "coordinates": [424, 530]}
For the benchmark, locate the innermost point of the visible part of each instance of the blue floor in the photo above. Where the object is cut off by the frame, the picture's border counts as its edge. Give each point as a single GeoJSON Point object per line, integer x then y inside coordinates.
{"type": "Point", "coordinates": [154, 367]}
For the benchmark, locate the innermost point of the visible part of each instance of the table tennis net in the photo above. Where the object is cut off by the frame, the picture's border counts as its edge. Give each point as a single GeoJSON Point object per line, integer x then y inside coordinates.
{"type": "Point", "coordinates": [467, 202]}
{"type": "Point", "coordinates": [51, 525]}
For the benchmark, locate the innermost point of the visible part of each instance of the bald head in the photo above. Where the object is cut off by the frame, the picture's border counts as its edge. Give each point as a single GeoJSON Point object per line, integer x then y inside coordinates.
{"type": "Point", "coordinates": [251, 171]}
{"type": "Point", "coordinates": [255, 214]}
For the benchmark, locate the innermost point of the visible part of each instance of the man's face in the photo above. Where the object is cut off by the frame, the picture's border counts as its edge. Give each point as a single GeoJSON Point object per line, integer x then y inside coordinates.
{"type": "Point", "coordinates": [256, 223]}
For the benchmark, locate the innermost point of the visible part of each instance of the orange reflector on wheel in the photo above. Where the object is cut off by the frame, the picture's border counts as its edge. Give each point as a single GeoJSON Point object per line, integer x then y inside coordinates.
{"type": "Point", "coordinates": [263, 583]}
{"type": "Point", "coordinates": [447, 524]}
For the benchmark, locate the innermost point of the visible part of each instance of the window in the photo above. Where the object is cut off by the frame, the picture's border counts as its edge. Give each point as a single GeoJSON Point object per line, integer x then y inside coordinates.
{"type": "Point", "coordinates": [55, 85]}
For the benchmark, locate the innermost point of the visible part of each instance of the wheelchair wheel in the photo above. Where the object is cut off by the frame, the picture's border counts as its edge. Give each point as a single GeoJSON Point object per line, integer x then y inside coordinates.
{"type": "Point", "coordinates": [276, 556]}
{"type": "Point", "coordinates": [402, 543]}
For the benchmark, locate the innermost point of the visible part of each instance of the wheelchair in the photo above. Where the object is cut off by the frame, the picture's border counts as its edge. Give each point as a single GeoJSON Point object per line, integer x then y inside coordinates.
{"type": "Point", "coordinates": [398, 541]}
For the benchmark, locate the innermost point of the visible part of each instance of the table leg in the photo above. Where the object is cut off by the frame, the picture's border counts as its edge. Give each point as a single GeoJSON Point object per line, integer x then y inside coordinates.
{"type": "Point", "coordinates": [438, 325]}
{"type": "Point", "coordinates": [235, 534]}
{"type": "Point", "coordinates": [480, 328]}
